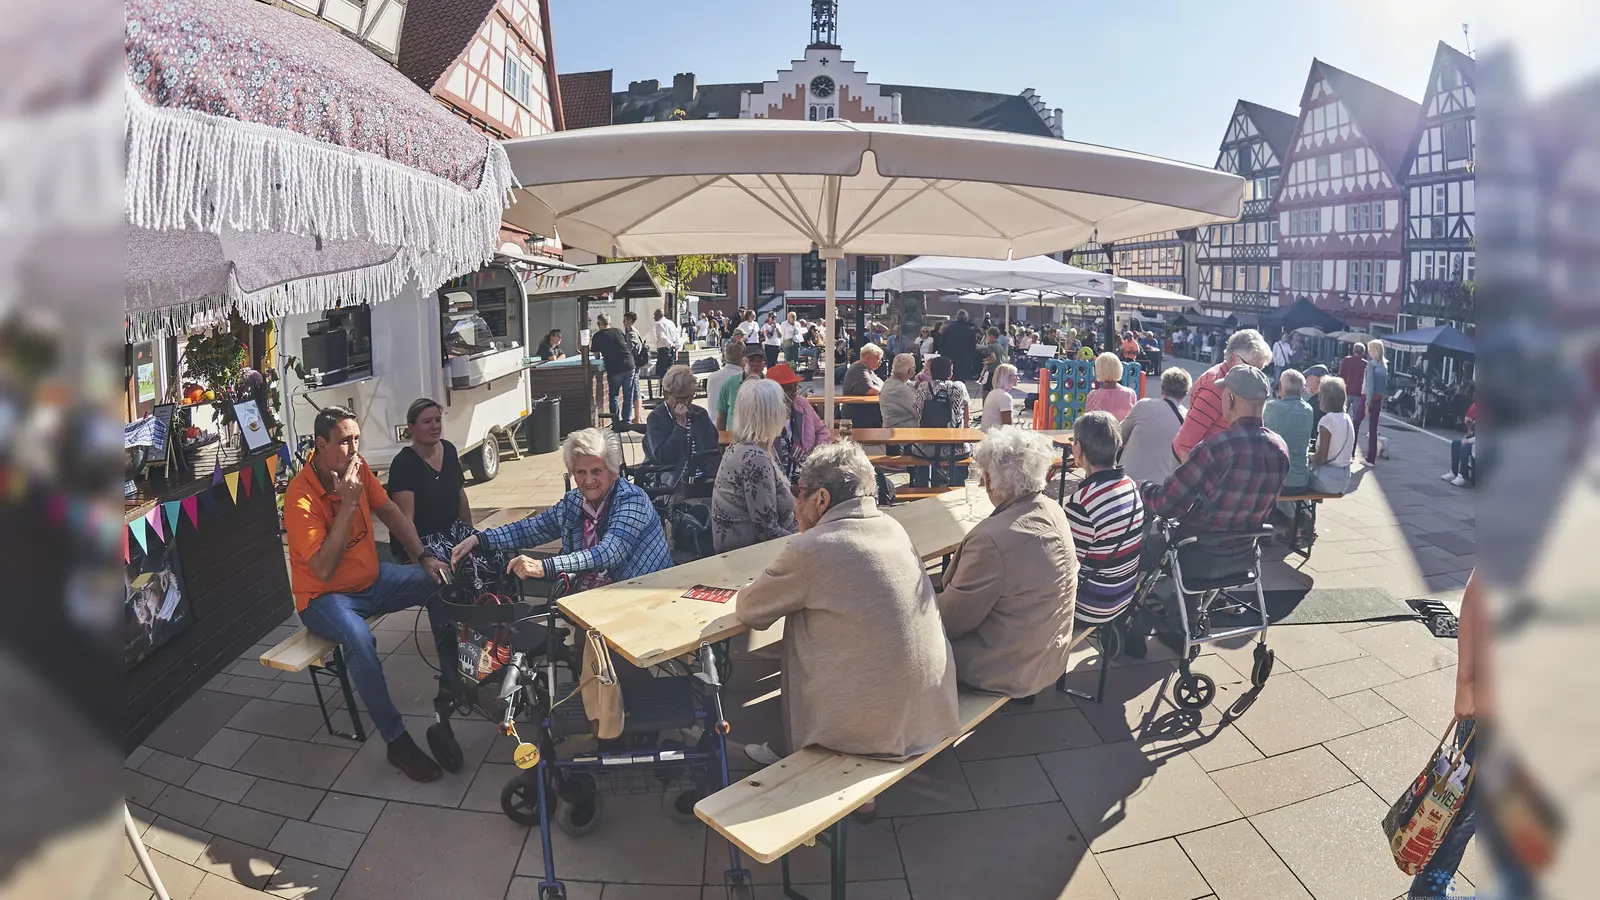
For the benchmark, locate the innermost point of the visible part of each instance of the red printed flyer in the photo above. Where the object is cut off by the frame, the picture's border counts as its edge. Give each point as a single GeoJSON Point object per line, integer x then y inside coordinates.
{"type": "Point", "coordinates": [712, 594]}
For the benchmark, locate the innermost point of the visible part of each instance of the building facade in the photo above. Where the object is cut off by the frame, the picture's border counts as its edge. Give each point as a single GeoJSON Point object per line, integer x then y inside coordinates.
{"type": "Point", "coordinates": [1340, 202]}
{"type": "Point", "coordinates": [1238, 262]}
{"type": "Point", "coordinates": [1441, 199]}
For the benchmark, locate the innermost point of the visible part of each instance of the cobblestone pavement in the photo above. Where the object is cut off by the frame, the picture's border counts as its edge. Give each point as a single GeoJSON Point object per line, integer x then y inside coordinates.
{"type": "Point", "coordinates": [241, 793]}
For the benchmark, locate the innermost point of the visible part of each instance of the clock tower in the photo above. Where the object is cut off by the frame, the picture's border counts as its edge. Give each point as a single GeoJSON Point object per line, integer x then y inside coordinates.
{"type": "Point", "coordinates": [824, 24]}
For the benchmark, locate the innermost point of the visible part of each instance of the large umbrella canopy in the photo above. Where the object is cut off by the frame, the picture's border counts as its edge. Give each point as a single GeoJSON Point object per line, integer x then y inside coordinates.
{"type": "Point", "coordinates": [1444, 338]}
{"type": "Point", "coordinates": [276, 166]}
{"type": "Point", "coordinates": [778, 186]}
{"type": "Point", "coordinates": [954, 273]}
{"type": "Point", "coordinates": [1148, 295]}
{"type": "Point", "coordinates": [1351, 337]}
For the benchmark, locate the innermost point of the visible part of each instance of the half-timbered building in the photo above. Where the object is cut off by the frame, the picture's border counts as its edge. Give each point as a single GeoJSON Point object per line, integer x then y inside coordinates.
{"type": "Point", "coordinates": [1340, 202]}
{"type": "Point", "coordinates": [1441, 198]}
{"type": "Point", "coordinates": [1238, 261]}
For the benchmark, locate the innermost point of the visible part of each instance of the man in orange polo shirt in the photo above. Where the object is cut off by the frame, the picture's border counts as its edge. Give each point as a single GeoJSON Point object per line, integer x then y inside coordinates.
{"type": "Point", "coordinates": [338, 582]}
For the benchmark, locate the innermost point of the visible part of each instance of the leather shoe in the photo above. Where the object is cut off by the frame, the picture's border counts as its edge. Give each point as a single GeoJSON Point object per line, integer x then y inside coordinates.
{"type": "Point", "coordinates": [405, 755]}
{"type": "Point", "coordinates": [442, 741]}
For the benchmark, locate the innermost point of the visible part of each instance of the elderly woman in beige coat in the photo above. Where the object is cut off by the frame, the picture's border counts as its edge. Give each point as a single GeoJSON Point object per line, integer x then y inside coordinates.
{"type": "Point", "coordinates": [1008, 594]}
{"type": "Point", "coordinates": [866, 667]}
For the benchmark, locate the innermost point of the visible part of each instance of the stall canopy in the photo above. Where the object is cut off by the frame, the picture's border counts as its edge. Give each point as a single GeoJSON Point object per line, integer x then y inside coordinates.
{"type": "Point", "coordinates": [954, 273]}
{"type": "Point", "coordinates": [621, 280]}
{"type": "Point", "coordinates": [1148, 295]}
{"type": "Point", "coordinates": [1187, 319]}
{"type": "Point", "coordinates": [276, 166]}
{"type": "Point", "coordinates": [1443, 338]}
{"type": "Point", "coordinates": [780, 186]}
{"type": "Point", "coordinates": [1302, 313]}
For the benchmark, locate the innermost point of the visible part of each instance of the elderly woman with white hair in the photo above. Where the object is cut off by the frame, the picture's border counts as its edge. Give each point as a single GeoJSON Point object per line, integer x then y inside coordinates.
{"type": "Point", "coordinates": [1110, 394]}
{"type": "Point", "coordinates": [751, 502]}
{"type": "Point", "coordinates": [1206, 418]}
{"type": "Point", "coordinates": [607, 527]}
{"type": "Point", "coordinates": [1009, 592]}
{"type": "Point", "coordinates": [866, 666]}
{"type": "Point", "coordinates": [897, 401]}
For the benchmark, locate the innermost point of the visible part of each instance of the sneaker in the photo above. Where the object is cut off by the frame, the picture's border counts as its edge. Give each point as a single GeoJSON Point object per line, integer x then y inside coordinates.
{"type": "Point", "coordinates": [761, 754]}
{"type": "Point", "coordinates": [405, 755]}
{"type": "Point", "coordinates": [1459, 481]}
{"type": "Point", "coordinates": [1449, 476]}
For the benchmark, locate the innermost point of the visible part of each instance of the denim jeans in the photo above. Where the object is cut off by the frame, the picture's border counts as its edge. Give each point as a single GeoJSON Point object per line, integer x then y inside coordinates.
{"type": "Point", "coordinates": [1436, 879]}
{"type": "Point", "coordinates": [627, 385]}
{"type": "Point", "coordinates": [341, 618]}
{"type": "Point", "coordinates": [1460, 453]}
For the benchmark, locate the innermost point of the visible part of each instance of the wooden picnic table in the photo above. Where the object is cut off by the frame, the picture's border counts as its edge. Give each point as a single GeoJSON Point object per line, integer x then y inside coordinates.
{"type": "Point", "coordinates": [649, 621]}
{"type": "Point", "coordinates": [916, 435]}
{"type": "Point", "coordinates": [844, 399]}
{"type": "Point", "coordinates": [1062, 439]}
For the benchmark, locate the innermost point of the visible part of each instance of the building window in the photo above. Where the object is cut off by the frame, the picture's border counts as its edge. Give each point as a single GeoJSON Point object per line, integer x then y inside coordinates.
{"type": "Point", "coordinates": [1427, 267]}
{"type": "Point", "coordinates": [518, 78]}
{"type": "Point", "coordinates": [1457, 140]}
{"type": "Point", "coordinates": [1277, 278]}
{"type": "Point", "coordinates": [719, 284]}
{"type": "Point", "coordinates": [1216, 277]}
{"type": "Point", "coordinates": [1377, 216]}
{"type": "Point", "coordinates": [1272, 231]}
{"type": "Point", "coordinates": [813, 273]}
{"type": "Point", "coordinates": [1347, 162]}
{"type": "Point", "coordinates": [1272, 186]}
{"type": "Point", "coordinates": [766, 277]}
{"type": "Point", "coordinates": [1380, 276]}
{"type": "Point", "coordinates": [1252, 278]}
{"type": "Point", "coordinates": [1322, 167]}
{"type": "Point", "coordinates": [1436, 227]}
{"type": "Point", "coordinates": [1471, 267]}
{"type": "Point", "coordinates": [1438, 200]}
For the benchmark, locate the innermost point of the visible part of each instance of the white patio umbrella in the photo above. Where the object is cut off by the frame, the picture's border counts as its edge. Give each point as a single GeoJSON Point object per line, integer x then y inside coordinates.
{"type": "Point", "coordinates": [954, 273]}
{"type": "Point", "coordinates": [771, 186]}
{"type": "Point", "coordinates": [1131, 291]}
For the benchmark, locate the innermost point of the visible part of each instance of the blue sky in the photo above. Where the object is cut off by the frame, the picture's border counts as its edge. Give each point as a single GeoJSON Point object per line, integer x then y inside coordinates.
{"type": "Point", "coordinates": [1155, 76]}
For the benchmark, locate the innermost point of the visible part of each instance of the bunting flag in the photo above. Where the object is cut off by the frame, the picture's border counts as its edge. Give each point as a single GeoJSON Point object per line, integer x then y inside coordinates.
{"type": "Point", "coordinates": [207, 500]}
{"type": "Point", "coordinates": [263, 480]}
{"type": "Point", "coordinates": [137, 527]}
{"type": "Point", "coordinates": [216, 474]}
{"type": "Point", "coordinates": [245, 477]}
{"type": "Point", "coordinates": [127, 553]}
{"type": "Point", "coordinates": [272, 468]}
{"type": "Point", "coordinates": [189, 504]}
{"type": "Point", "coordinates": [232, 479]}
{"type": "Point", "coordinates": [283, 454]}
{"type": "Point", "coordinates": [171, 510]}
{"type": "Point", "coordinates": [153, 518]}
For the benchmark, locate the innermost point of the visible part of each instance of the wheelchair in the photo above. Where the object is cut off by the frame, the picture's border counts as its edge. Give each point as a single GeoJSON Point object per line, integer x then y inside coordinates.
{"type": "Point", "coordinates": [537, 690]}
{"type": "Point", "coordinates": [1212, 573]}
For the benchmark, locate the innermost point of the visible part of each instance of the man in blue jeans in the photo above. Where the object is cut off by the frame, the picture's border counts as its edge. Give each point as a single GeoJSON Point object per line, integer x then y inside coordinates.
{"type": "Point", "coordinates": [338, 582]}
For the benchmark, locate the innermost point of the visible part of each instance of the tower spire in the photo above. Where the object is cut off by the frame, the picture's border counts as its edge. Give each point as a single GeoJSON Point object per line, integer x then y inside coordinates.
{"type": "Point", "coordinates": [824, 23]}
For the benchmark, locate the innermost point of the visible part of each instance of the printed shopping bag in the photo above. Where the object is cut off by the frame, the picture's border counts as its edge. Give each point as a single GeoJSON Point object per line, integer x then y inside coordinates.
{"type": "Point", "coordinates": [601, 689]}
{"type": "Point", "coordinates": [1418, 820]}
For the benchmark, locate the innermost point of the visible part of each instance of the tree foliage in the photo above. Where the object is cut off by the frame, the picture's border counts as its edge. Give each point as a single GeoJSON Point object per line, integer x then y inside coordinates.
{"type": "Point", "coordinates": [676, 273]}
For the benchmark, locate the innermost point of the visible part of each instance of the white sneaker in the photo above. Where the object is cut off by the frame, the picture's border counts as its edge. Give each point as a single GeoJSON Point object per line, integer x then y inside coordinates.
{"type": "Point", "coordinates": [1449, 476]}
{"type": "Point", "coordinates": [1459, 481]}
{"type": "Point", "coordinates": [761, 754]}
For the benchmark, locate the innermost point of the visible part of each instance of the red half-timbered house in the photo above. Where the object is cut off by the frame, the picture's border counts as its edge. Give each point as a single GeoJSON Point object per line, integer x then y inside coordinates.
{"type": "Point", "coordinates": [1239, 260]}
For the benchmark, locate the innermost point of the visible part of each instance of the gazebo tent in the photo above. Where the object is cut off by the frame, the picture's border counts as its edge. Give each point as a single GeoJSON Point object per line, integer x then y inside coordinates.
{"type": "Point", "coordinates": [1300, 314]}
{"type": "Point", "coordinates": [1187, 319]}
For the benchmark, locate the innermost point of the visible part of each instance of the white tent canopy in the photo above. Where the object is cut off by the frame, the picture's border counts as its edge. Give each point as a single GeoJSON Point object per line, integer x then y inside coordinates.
{"type": "Point", "coordinates": [778, 186]}
{"type": "Point", "coordinates": [1140, 294]}
{"type": "Point", "coordinates": [950, 273]}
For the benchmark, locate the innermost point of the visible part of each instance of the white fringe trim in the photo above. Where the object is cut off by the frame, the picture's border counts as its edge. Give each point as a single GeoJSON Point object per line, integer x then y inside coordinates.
{"type": "Point", "coordinates": [187, 170]}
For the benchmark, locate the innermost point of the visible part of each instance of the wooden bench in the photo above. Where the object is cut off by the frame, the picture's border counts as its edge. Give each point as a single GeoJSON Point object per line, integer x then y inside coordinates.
{"type": "Point", "coordinates": [922, 493]}
{"type": "Point", "coordinates": [305, 652]}
{"type": "Point", "coordinates": [1305, 518]}
{"type": "Point", "coordinates": [810, 794]}
{"type": "Point", "coordinates": [906, 461]}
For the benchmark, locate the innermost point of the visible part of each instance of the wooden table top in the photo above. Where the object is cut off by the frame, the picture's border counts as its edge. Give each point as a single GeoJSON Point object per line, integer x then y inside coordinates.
{"type": "Point", "coordinates": [844, 399]}
{"type": "Point", "coordinates": [649, 621]}
{"type": "Point", "coordinates": [916, 435]}
{"type": "Point", "coordinates": [1059, 438]}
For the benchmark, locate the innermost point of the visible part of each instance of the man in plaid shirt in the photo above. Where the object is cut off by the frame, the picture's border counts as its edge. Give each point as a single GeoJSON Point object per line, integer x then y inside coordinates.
{"type": "Point", "coordinates": [1231, 480]}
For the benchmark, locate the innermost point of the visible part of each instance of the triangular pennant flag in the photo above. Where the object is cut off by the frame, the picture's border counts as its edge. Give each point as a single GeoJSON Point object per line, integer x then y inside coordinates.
{"type": "Point", "coordinates": [170, 508]}
{"type": "Point", "coordinates": [127, 554]}
{"type": "Point", "coordinates": [262, 479]}
{"type": "Point", "coordinates": [137, 527]}
{"type": "Point", "coordinates": [245, 477]}
{"type": "Point", "coordinates": [283, 454]}
{"type": "Point", "coordinates": [216, 474]}
{"type": "Point", "coordinates": [272, 467]}
{"type": "Point", "coordinates": [188, 504]}
{"type": "Point", "coordinates": [154, 518]}
{"type": "Point", "coordinates": [208, 499]}
{"type": "Point", "coordinates": [232, 478]}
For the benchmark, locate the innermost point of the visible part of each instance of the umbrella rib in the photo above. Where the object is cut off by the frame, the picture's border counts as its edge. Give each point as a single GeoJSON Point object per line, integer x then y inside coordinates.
{"type": "Point", "coordinates": [611, 194]}
{"type": "Point", "coordinates": [1046, 204]}
{"type": "Point", "coordinates": [787, 215]}
{"type": "Point", "coordinates": [675, 200]}
{"type": "Point", "coordinates": [970, 211]}
{"type": "Point", "coordinates": [800, 210]}
{"type": "Point", "coordinates": [857, 228]}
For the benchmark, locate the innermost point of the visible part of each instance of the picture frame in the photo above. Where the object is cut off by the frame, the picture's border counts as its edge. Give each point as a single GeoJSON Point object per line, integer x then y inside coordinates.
{"type": "Point", "coordinates": [157, 607]}
{"type": "Point", "coordinates": [252, 426]}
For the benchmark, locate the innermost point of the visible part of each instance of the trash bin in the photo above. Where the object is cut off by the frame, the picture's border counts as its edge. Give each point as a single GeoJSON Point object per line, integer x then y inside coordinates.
{"type": "Point", "coordinates": [544, 425]}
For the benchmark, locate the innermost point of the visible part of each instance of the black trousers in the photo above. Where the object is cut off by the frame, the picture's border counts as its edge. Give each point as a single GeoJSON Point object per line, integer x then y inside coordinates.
{"type": "Point", "coordinates": [665, 358]}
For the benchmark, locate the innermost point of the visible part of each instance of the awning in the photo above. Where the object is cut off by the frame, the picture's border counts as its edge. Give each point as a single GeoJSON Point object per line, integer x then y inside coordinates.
{"type": "Point", "coordinates": [1443, 338]}
{"type": "Point", "coordinates": [1302, 313]}
{"type": "Point", "coordinates": [1187, 319]}
{"type": "Point", "coordinates": [622, 280]}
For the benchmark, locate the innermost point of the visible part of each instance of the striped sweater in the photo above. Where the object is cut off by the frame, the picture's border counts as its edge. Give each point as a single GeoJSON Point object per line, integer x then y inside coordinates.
{"type": "Point", "coordinates": [1107, 518]}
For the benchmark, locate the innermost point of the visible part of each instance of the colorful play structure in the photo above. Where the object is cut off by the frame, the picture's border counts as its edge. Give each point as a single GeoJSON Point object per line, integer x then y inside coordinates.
{"type": "Point", "coordinates": [1064, 386]}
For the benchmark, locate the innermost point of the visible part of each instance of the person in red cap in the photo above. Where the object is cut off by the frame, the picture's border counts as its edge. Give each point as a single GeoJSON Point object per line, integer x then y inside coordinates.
{"type": "Point", "coordinates": [804, 431]}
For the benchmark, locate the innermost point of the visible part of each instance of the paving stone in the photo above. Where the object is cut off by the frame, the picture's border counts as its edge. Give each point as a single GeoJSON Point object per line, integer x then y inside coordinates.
{"type": "Point", "coordinates": [238, 862]}
{"type": "Point", "coordinates": [179, 878]}
{"type": "Point", "coordinates": [225, 748]}
{"type": "Point", "coordinates": [280, 798]}
{"type": "Point", "coordinates": [1368, 708]}
{"type": "Point", "coordinates": [168, 768]}
{"type": "Point", "coordinates": [1387, 757]}
{"type": "Point", "coordinates": [349, 813]}
{"type": "Point", "coordinates": [1429, 699]}
{"type": "Point", "coordinates": [936, 786]}
{"type": "Point", "coordinates": [1306, 646]}
{"type": "Point", "coordinates": [297, 879]}
{"type": "Point", "coordinates": [1349, 676]}
{"type": "Point", "coordinates": [129, 889]}
{"type": "Point", "coordinates": [301, 692]}
{"type": "Point", "coordinates": [484, 794]}
{"type": "Point", "coordinates": [321, 844]}
{"type": "Point", "coordinates": [1406, 647]}
{"type": "Point", "coordinates": [404, 856]}
{"type": "Point", "coordinates": [248, 826]}
{"type": "Point", "coordinates": [183, 843]}
{"type": "Point", "coordinates": [871, 854]}
{"type": "Point", "coordinates": [859, 890]}
{"type": "Point", "coordinates": [194, 722]}
{"type": "Point", "coordinates": [1283, 779]}
{"type": "Point", "coordinates": [1334, 846]}
{"type": "Point", "coordinates": [141, 788]}
{"type": "Point", "coordinates": [312, 765]}
{"type": "Point", "coordinates": [369, 773]}
{"type": "Point", "coordinates": [220, 783]}
{"type": "Point", "coordinates": [1239, 865]}
{"type": "Point", "coordinates": [137, 757]}
{"type": "Point", "coordinates": [1008, 781]}
{"type": "Point", "coordinates": [1155, 871]}
{"type": "Point", "coordinates": [653, 892]}
{"type": "Point", "coordinates": [184, 805]}
{"type": "Point", "coordinates": [1290, 714]}
{"type": "Point", "coordinates": [1020, 852]}
{"type": "Point", "coordinates": [526, 888]}
{"type": "Point", "coordinates": [293, 721]}
{"type": "Point", "coordinates": [249, 686]}
{"type": "Point", "coordinates": [1119, 797]}
{"type": "Point", "coordinates": [216, 887]}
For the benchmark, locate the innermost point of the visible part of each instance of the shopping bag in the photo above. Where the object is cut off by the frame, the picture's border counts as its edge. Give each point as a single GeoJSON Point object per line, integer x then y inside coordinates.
{"type": "Point", "coordinates": [600, 688]}
{"type": "Point", "coordinates": [1418, 820]}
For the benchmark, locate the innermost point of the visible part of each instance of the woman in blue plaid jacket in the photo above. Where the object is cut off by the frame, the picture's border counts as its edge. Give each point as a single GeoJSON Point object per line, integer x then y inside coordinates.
{"type": "Point", "coordinates": [608, 529]}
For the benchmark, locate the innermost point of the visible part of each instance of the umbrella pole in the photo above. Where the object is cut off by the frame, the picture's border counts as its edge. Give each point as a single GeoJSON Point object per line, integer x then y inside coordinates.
{"type": "Point", "coordinates": [830, 310]}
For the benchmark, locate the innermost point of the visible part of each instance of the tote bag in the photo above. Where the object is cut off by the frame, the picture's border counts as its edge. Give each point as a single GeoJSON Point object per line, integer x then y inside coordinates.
{"type": "Point", "coordinates": [1418, 820]}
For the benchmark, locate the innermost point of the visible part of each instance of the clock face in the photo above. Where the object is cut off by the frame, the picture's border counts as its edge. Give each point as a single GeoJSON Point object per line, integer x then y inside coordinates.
{"type": "Point", "coordinates": [822, 86]}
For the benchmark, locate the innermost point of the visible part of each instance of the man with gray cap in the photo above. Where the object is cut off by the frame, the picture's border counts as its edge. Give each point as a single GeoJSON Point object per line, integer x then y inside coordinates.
{"type": "Point", "coordinates": [1231, 480]}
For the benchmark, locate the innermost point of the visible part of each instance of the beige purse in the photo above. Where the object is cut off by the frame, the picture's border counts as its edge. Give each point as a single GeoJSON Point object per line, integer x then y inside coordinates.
{"type": "Point", "coordinates": [601, 689]}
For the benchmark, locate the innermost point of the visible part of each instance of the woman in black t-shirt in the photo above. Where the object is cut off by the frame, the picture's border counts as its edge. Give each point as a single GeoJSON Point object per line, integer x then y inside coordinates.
{"type": "Point", "coordinates": [550, 346]}
{"type": "Point", "coordinates": [426, 482]}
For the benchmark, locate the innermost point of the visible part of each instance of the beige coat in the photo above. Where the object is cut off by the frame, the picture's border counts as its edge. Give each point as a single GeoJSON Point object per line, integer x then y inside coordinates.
{"type": "Point", "coordinates": [866, 667]}
{"type": "Point", "coordinates": [1008, 598]}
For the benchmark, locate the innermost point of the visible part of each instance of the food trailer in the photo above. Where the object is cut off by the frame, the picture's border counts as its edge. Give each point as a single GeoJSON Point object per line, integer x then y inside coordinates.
{"type": "Point", "coordinates": [466, 345]}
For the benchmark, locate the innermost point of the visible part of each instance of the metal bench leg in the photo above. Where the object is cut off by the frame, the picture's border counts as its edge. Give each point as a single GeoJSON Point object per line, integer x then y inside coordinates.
{"type": "Point", "coordinates": [1105, 665]}
{"type": "Point", "coordinates": [833, 839]}
{"type": "Point", "coordinates": [339, 670]}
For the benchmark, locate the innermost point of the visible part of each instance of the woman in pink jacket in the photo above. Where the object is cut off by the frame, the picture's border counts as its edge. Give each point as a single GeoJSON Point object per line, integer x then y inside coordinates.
{"type": "Point", "coordinates": [805, 430]}
{"type": "Point", "coordinates": [1110, 395]}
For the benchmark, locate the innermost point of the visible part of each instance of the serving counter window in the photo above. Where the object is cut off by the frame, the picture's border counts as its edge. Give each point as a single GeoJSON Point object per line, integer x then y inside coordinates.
{"type": "Point", "coordinates": [481, 327]}
{"type": "Point", "coordinates": [338, 347]}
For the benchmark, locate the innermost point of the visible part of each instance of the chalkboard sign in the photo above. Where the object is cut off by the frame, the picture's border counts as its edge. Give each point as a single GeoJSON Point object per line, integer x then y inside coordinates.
{"type": "Point", "coordinates": [161, 433]}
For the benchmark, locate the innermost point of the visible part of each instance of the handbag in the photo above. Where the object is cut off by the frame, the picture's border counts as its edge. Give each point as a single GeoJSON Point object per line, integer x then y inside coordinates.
{"type": "Point", "coordinates": [600, 688]}
{"type": "Point", "coordinates": [1419, 819]}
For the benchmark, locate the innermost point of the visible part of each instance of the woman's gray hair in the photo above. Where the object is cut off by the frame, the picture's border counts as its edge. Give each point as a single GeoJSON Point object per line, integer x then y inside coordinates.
{"type": "Point", "coordinates": [1292, 383]}
{"type": "Point", "coordinates": [1331, 395]}
{"type": "Point", "coordinates": [602, 320]}
{"type": "Point", "coordinates": [904, 366]}
{"type": "Point", "coordinates": [871, 349]}
{"type": "Point", "coordinates": [842, 469]}
{"type": "Point", "coordinates": [1098, 437]}
{"type": "Point", "coordinates": [1014, 461]}
{"type": "Point", "coordinates": [592, 442]}
{"type": "Point", "coordinates": [1175, 383]}
{"type": "Point", "coordinates": [679, 382]}
{"type": "Point", "coordinates": [1006, 376]}
{"type": "Point", "coordinates": [1250, 347]}
{"type": "Point", "coordinates": [759, 412]}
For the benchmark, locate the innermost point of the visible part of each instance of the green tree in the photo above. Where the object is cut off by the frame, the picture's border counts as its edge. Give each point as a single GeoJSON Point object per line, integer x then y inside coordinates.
{"type": "Point", "coordinates": [676, 273]}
